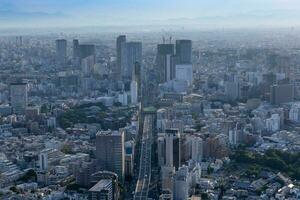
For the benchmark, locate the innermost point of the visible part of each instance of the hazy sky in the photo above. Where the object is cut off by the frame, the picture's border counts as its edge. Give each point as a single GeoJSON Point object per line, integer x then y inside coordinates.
{"type": "Point", "coordinates": [133, 12]}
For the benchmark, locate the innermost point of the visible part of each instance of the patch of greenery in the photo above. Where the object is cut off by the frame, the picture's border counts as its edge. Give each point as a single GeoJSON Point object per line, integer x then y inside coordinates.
{"type": "Point", "coordinates": [113, 119]}
{"type": "Point", "coordinates": [28, 176]}
{"type": "Point", "coordinates": [285, 162]}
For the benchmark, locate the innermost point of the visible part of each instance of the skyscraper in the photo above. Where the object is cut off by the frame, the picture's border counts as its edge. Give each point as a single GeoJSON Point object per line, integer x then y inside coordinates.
{"type": "Point", "coordinates": [165, 62]}
{"type": "Point", "coordinates": [110, 153]}
{"type": "Point", "coordinates": [86, 50]}
{"type": "Point", "coordinates": [121, 55]}
{"type": "Point", "coordinates": [19, 97]}
{"type": "Point", "coordinates": [87, 54]}
{"type": "Point", "coordinates": [137, 76]}
{"type": "Point", "coordinates": [184, 51]}
{"type": "Point", "coordinates": [197, 148]}
{"type": "Point", "coordinates": [76, 49]}
{"type": "Point", "coordinates": [61, 51]}
{"type": "Point", "coordinates": [134, 54]}
{"type": "Point", "coordinates": [172, 141]}
{"type": "Point", "coordinates": [282, 93]}
{"type": "Point", "coordinates": [184, 72]}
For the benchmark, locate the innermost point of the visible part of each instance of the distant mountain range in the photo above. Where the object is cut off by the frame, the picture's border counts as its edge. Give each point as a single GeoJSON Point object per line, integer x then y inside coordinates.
{"type": "Point", "coordinates": [16, 18]}
{"type": "Point", "coordinates": [10, 18]}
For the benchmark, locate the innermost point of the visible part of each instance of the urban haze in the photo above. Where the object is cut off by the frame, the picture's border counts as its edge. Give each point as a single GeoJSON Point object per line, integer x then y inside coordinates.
{"type": "Point", "coordinates": [150, 100]}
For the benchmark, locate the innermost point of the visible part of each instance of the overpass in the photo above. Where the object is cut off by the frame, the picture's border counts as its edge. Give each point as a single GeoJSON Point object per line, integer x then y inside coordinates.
{"type": "Point", "coordinates": [144, 178]}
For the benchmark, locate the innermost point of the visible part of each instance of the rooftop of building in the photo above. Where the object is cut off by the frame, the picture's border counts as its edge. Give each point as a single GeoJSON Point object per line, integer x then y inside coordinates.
{"type": "Point", "coordinates": [101, 185]}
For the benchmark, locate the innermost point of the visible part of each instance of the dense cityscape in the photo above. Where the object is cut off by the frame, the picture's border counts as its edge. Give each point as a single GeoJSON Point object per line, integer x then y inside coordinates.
{"type": "Point", "coordinates": [149, 100]}
{"type": "Point", "coordinates": [150, 115]}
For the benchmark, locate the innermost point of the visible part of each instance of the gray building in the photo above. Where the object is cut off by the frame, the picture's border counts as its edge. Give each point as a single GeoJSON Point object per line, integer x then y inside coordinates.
{"type": "Point", "coordinates": [19, 97]}
{"type": "Point", "coordinates": [165, 62]}
{"type": "Point", "coordinates": [110, 153]}
{"type": "Point", "coordinates": [86, 50]}
{"type": "Point", "coordinates": [61, 51]}
{"type": "Point", "coordinates": [134, 55]}
{"type": "Point", "coordinates": [76, 50]}
{"type": "Point", "coordinates": [121, 56]}
{"type": "Point", "coordinates": [103, 190]}
{"type": "Point", "coordinates": [283, 93]}
{"type": "Point", "coordinates": [184, 51]}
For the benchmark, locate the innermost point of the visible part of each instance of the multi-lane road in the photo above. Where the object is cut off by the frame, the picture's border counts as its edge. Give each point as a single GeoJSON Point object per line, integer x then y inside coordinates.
{"type": "Point", "coordinates": [144, 178]}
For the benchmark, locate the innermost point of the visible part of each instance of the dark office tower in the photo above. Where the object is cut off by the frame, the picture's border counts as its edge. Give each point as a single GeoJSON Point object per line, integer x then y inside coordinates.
{"type": "Point", "coordinates": [110, 153]}
{"type": "Point", "coordinates": [164, 62]}
{"type": "Point", "coordinates": [61, 51]}
{"type": "Point", "coordinates": [283, 93]}
{"type": "Point", "coordinates": [184, 51]}
{"type": "Point", "coordinates": [121, 56]}
{"type": "Point", "coordinates": [86, 50]}
{"type": "Point", "coordinates": [76, 50]}
{"type": "Point", "coordinates": [137, 72]}
{"type": "Point", "coordinates": [19, 97]}
{"type": "Point", "coordinates": [134, 54]}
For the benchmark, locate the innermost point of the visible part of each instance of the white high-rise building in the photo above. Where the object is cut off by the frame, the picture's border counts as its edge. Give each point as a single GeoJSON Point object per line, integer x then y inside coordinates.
{"type": "Point", "coordinates": [134, 92]}
{"type": "Point", "coordinates": [182, 181]}
{"type": "Point", "coordinates": [294, 114]}
{"type": "Point", "coordinates": [197, 148]}
{"type": "Point", "coordinates": [87, 65]}
{"type": "Point", "coordinates": [19, 97]}
{"type": "Point", "coordinates": [123, 98]}
{"type": "Point", "coordinates": [232, 137]}
{"type": "Point", "coordinates": [184, 72]}
{"type": "Point", "coordinates": [173, 153]}
{"type": "Point", "coordinates": [273, 123]}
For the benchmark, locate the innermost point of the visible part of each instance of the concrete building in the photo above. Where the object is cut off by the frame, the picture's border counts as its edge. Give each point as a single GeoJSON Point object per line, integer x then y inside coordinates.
{"type": "Point", "coordinates": [197, 148]}
{"type": "Point", "coordinates": [110, 153]}
{"type": "Point", "coordinates": [121, 56]}
{"type": "Point", "coordinates": [87, 50]}
{"type": "Point", "coordinates": [88, 65]}
{"type": "Point", "coordinates": [134, 55]}
{"type": "Point", "coordinates": [273, 123]}
{"type": "Point", "coordinates": [123, 98]}
{"type": "Point", "coordinates": [76, 49]}
{"type": "Point", "coordinates": [294, 113]}
{"type": "Point", "coordinates": [129, 158]}
{"type": "Point", "coordinates": [282, 94]}
{"type": "Point", "coordinates": [185, 73]}
{"type": "Point", "coordinates": [184, 51]}
{"type": "Point", "coordinates": [103, 190]}
{"type": "Point", "coordinates": [182, 181]}
{"type": "Point", "coordinates": [43, 161]}
{"type": "Point", "coordinates": [19, 97]}
{"type": "Point", "coordinates": [61, 51]}
{"type": "Point", "coordinates": [231, 90]}
{"type": "Point", "coordinates": [134, 92]}
{"type": "Point", "coordinates": [172, 145]}
{"type": "Point", "coordinates": [164, 62]}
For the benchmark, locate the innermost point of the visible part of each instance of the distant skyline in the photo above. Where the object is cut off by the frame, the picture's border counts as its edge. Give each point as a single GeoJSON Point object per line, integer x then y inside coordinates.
{"type": "Point", "coordinates": [76, 13]}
